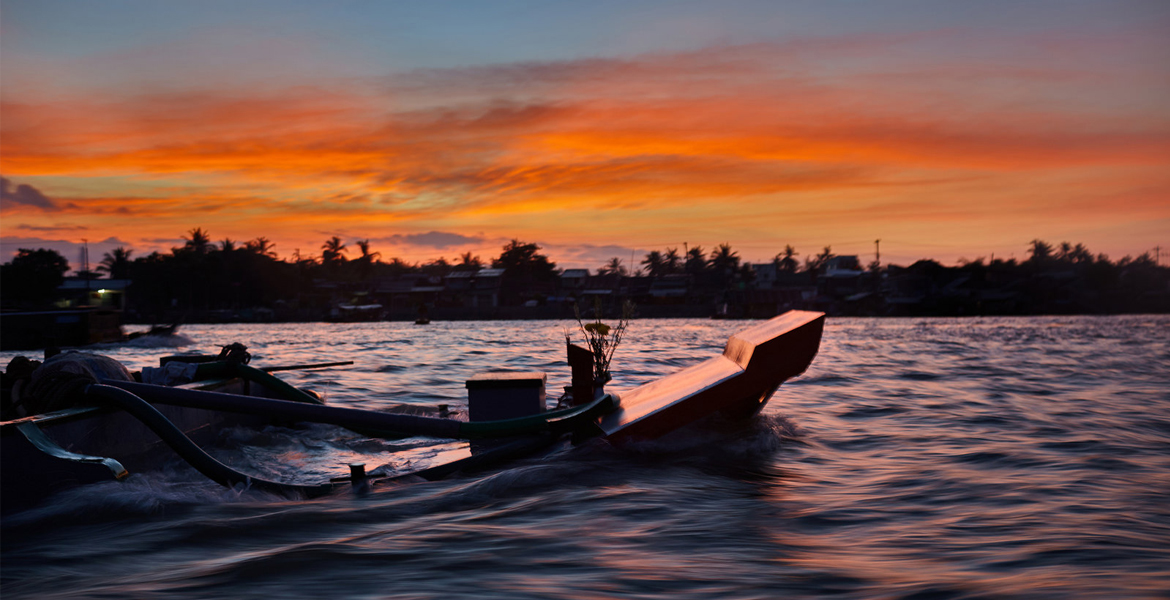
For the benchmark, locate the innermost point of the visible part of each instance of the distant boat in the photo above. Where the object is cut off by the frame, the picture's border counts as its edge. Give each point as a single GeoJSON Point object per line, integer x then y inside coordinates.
{"type": "Point", "coordinates": [359, 309]}
{"type": "Point", "coordinates": [155, 331]}
{"type": "Point", "coordinates": [33, 330]}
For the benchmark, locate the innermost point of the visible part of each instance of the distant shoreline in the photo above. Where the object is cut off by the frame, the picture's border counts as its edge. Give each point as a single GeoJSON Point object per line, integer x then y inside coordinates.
{"type": "Point", "coordinates": [436, 320]}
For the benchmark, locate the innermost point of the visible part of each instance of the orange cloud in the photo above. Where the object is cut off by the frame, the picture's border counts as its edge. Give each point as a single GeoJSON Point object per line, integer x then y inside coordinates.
{"type": "Point", "coordinates": [655, 139]}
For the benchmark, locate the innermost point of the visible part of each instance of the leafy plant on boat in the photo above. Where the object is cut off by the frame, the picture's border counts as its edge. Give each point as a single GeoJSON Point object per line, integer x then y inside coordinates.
{"type": "Point", "coordinates": [602, 339]}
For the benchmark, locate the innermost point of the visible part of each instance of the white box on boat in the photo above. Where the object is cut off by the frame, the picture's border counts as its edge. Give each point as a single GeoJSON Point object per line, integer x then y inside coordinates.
{"type": "Point", "coordinates": [492, 396]}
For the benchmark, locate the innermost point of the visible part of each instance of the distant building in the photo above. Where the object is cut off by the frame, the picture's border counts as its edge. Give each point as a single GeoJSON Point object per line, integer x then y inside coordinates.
{"type": "Point", "coordinates": [765, 274]}
{"type": "Point", "coordinates": [458, 282]}
{"type": "Point", "coordinates": [840, 282]}
{"type": "Point", "coordinates": [108, 293]}
{"type": "Point", "coordinates": [843, 266]}
{"type": "Point", "coordinates": [673, 287]}
{"type": "Point", "coordinates": [485, 288]}
{"type": "Point", "coordinates": [574, 279]}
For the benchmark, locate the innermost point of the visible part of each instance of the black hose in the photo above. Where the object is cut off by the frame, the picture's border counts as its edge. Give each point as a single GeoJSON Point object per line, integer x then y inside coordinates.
{"type": "Point", "coordinates": [559, 421]}
{"type": "Point", "coordinates": [188, 450]}
{"type": "Point", "coordinates": [351, 418]}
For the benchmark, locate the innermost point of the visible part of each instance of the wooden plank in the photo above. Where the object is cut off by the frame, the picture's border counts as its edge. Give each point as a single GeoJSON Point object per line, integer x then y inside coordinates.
{"type": "Point", "coordinates": [645, 402]}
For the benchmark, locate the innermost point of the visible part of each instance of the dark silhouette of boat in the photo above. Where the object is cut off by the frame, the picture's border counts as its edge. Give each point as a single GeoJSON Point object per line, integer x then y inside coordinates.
{"type": "Point", "coordinates": [155, 331]}
{"type": "Point", "coordinates": [117, 424]}
{"type": "Point", "coordinates": [31, 330]}
{"type": "Point", "coordinates": [359, 309]}
{"type": "Point", "coordinates": [72, 328]}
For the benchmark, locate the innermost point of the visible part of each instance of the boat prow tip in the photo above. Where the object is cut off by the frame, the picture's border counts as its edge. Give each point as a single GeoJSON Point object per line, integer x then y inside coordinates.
{"type": "Point", "coordinates": [738, 383]}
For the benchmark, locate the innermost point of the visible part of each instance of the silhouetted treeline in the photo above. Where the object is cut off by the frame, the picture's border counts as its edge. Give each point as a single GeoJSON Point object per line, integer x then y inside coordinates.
{"type": "Point", "coordinates": [203, 280]}
{"type": "Point", "coordinates": [1061, 279]}
{"type": "Point", "coordinates": [32, 277]}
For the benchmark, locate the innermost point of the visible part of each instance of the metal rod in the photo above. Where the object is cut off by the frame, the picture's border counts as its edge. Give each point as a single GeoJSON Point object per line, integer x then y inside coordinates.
{"type": "Point", "coordinates": [312, 366]}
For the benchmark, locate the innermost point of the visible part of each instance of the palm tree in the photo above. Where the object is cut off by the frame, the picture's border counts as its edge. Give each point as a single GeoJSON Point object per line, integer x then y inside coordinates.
{"type": "Point", "coordinates": [1040, 250]}
{"type": "Point", "coordinates": [655, 265]}
{"type": "Point", "coordinates": [116, 263]}
{"type": "Point", "coordinates": [672, 260]}
{"type": "Point", "coordinates": [397, 267]}
{"type": "Point", "coordinates": [1081, 255]}
{"type": "Point", "coordinates": [367, 256]}
{"type": "Point", "coordinates": [724, 259]}
{"type": "Point", "coordinates": [333, 251]}
{"type": "Point", "coordinates": [696, 260]}
{"type": "Point", "coordinates": [261, 246]}
{"type": "Point", "coordinates": [199, 242]}
{"type": "Point", "coordinates": [613, 267]}
{"type": "Point", "coordinates": [468, 262]}
{"type": "Point", "coordinates": [439, 267]}
{"type": "Point", "coordinates": [227, 246]}
{"type": "Point", "coordinates": [786, 261]}
{"type": "Point", "coordinates": [366, 260]}
{"type": "Point", "coordinates": [818, 262]}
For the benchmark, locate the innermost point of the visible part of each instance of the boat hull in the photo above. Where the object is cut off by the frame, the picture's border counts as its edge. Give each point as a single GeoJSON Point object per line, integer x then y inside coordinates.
{"type": "Point", "coordinates": [63, 328]}
{"type": "Point", "coordinates": [29, 474]}
{"type": "Point", "coordinates": [48, 453]}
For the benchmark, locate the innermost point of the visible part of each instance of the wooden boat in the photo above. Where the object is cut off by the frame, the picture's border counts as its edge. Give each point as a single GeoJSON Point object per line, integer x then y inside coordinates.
{"type": "Point", "coordinates": [59, 450]}
{"type": "Point", "coordinates": [154, 331]}
{"type": "Point", "coordinates": [357, 313]}
{"type": "Point", "coordinates": [65, 448]}
{"type": "Point", "coordinates": [33, 330]}
{"type": "Point", "coordinates": [29, 330]}
{"type": "Point", "coordinates": [736, 384]}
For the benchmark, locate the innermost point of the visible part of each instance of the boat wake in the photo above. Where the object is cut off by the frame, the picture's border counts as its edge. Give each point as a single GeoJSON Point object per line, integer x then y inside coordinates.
{"type": "Point", "coordinates": [309, 454]}
{"type": "Point", "coordinates": [141, 494]}
{"type": "Point", "coordinates": [176, 340]}
{"type": "Point", "coordinates": [757, 439]}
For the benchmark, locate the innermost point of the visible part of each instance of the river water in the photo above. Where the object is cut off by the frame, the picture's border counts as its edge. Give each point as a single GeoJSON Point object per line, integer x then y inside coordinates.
{"type": "Point", "coordinates": [917, 458]}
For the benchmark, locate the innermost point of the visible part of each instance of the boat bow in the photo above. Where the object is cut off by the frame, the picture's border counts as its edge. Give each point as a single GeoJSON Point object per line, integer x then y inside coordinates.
{"type": "Point", "coordinates": [736, 384]}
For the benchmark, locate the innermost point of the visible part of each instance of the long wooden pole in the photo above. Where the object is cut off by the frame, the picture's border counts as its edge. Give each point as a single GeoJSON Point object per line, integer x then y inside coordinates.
{"type": "Point", "coordinates": [312, 366]}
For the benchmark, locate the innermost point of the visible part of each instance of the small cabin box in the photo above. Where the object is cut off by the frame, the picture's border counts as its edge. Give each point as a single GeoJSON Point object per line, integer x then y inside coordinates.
{"type": "Point", "coordinates": [493, 396]}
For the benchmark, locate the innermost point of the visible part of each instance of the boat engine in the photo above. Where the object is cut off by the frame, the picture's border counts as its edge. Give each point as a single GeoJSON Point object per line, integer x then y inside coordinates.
{"type": "Point", "coordinates": [58, 382]}
{"type": "Point", "coordinates": [505, 395]}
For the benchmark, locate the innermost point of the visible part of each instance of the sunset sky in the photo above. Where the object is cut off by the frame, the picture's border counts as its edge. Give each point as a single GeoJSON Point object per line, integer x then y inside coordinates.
{"type": "Point", "coordinates": [596, 129]}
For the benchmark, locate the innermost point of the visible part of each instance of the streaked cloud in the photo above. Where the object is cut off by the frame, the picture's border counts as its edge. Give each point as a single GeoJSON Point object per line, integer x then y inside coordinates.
{"type": "Point", "coordinates": [432, 239]}
{"type": "Point", "coordinates": [52, 228]}
{"type": "Point", "coordinates": [24, 195]}
{"type": "Point", "coordinates": [592, 257]}
{"type": "Point", "coordinates": [71, 250]}
{"type": "Point", "coordinates": [846, 136]}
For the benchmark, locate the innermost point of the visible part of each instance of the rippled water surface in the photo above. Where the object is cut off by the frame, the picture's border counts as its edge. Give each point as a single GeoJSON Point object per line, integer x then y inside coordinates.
{"type": "Point", "coordinates": [917, 458]}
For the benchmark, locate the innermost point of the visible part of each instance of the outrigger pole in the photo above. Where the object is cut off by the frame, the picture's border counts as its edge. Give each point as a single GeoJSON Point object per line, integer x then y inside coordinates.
{"type": "Point", "coordinates": [368, 422]}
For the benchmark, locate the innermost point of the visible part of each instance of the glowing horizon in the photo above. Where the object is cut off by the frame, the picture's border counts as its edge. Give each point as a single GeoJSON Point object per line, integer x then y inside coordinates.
{"type": "Point", "coordinates": [952, 134]}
